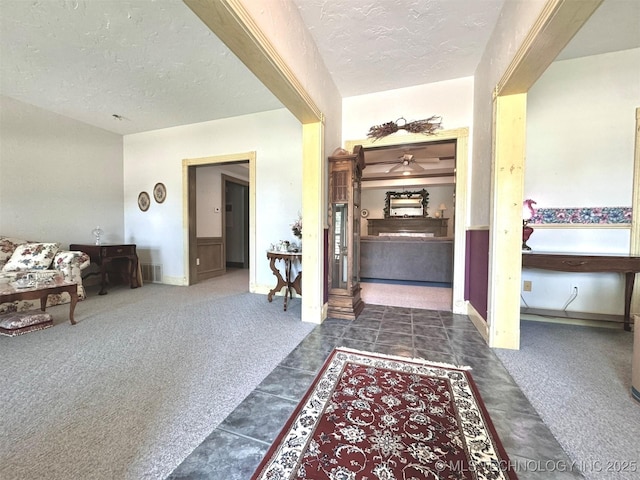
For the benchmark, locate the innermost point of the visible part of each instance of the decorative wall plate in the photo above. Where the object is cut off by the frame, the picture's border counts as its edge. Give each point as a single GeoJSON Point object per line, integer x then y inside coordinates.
{"type": "Point", "coordinates": [159, 192]}
{"type": "Point", "coordinates": [144, 201]}
{"type": "Point", "coordinates": [364, 212]}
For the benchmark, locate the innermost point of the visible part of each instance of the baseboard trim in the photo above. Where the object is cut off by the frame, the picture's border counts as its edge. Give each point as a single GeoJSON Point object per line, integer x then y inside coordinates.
{"type": "Point", "coordinates": [571, 321]}
{"type": "Point", "coordinates": [235, 265]}
{"type": "Point", "coordinates": [479, 322]}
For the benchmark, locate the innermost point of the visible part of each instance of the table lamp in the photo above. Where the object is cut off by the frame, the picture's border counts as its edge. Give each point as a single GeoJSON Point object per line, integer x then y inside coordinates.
{"type": "Point", "coordinates": [98, 233]}
{"type": "Point", "coordinates": [442, 208]}
{"type": "Point", "coordinates": [528, 213]}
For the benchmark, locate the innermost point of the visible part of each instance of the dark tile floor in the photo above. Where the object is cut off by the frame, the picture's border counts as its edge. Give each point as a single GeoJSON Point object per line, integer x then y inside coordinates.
{"type": "Point", "coordinates": [234, 449]}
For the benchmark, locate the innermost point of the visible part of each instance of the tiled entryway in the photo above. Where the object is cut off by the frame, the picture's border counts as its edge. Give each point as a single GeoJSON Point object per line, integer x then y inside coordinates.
{"type": "Point", "coordinates": [236, 446]}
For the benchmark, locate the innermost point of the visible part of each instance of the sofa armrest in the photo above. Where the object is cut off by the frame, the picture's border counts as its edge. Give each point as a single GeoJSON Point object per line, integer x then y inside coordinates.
{"type": "Point", "coordinates": [65, 260]}
{"type": "Point", "coordinates": [71, 264]}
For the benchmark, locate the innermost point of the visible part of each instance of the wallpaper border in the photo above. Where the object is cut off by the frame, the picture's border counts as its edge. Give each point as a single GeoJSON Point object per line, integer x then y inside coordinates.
{"type": "Point", "coordinates": [582, 216]}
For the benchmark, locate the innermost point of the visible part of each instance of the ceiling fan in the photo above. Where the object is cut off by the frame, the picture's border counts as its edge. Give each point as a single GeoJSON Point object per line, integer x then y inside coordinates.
{"type": "Point", "coordinates": [409, 164]}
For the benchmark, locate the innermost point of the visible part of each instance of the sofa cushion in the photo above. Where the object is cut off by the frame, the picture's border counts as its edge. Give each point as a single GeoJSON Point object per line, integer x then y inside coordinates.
{"type": "Point", "coordinates": [32, 256]}
{"type": "Point", "coordinates": [17, 323]}
{"type": "Point", "coordinates": [7, 247]}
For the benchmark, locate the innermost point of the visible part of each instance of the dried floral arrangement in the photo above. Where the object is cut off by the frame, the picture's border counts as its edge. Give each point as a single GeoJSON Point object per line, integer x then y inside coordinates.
{"type": "Point", "coordinates": [427, 127]}
{"type": "Point", "coordinates": [296, 227]}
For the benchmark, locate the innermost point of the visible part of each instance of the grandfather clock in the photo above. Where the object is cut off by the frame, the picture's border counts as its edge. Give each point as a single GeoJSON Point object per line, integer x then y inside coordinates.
{"type": "Point", "coordinates": [345, 174]}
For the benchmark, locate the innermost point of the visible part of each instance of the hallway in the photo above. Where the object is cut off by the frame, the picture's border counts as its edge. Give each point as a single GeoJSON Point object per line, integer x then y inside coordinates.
{"type": "Point", "coordinates": [236, 446]}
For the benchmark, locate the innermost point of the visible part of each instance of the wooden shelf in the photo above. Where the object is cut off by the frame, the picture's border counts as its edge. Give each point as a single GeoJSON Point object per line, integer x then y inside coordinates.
{"type": "Point", "coordinates": [437, 226]}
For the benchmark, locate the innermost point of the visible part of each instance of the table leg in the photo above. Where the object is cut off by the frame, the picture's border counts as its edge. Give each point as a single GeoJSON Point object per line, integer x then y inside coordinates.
{"type": "Point", "coordinates": [103, 274]}
{"type": "Point", "coordinates": [281, 282]}
{"type": "Point", "coordinates": [297, 283]}
{"type": "Point", "coordinates": [133, 278]}
{"type": "Point", "coordinates": [72, 306]}
{"type": "Point", "coordinates": [286, 294]}
{"type": "Point", "coordinates": [43, 302]}
{"type": "Point", "coordinates": [628, 292]}
{"type": "Point", "coordinates": [288, 290]}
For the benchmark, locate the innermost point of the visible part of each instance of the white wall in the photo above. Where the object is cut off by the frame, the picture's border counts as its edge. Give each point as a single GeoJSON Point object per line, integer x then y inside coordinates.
{"type": "Point", "coordinates": [373, 199]}
{"type": "Point", "coordinates": [282, 24]}
{"type": "Point", "coordinates": [209, 196]}
{"type": "Point", "coordinates": [157, 156]}
{"type": "Point", "coordinates": [580, 131]}
{"type": "Point", "coordinates": [580, 147]}
{"type": "Point", "coordinates": [514, 23]}
{"type": "Point", "coordinates": [59, 178]}
{"type": "Point", "coordinates": [453, 100]}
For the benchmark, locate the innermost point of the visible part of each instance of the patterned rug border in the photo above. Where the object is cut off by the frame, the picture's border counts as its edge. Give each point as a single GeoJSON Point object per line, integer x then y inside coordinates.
{"type": "Point", "coordinates": [418, 360]}
{"type": "Point", "coordinates": [261, 472]}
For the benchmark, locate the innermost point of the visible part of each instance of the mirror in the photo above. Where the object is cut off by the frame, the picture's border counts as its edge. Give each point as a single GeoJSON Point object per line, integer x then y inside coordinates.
{"type": "Point", "coordinates": [406, 204]}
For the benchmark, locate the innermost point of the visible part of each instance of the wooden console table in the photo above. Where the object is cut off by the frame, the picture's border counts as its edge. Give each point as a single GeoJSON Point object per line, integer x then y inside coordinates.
{"type": "Point", "coordinates": [288, 258]}
{"type": "Point", "coordinates": [40, 291]}
{"type": "Point", "coordinates": [103, 255]}
{"type": "Point", "coordinates": [567, 262]}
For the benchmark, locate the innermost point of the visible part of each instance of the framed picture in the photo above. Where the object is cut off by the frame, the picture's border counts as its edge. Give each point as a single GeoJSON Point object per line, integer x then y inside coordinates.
{"type": "Point", "coordinates": [144, 201]}
{"type": "Point", "coordinates": [159, 192]}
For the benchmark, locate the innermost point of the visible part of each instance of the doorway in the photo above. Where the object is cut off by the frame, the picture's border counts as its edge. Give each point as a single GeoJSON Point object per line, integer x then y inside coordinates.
{"type": "Point", "coordinates": [460, 179]}
{"type": "Point", "coordinates": [236, 166]}
{"type": "Point", "coordinates": [235, 222]}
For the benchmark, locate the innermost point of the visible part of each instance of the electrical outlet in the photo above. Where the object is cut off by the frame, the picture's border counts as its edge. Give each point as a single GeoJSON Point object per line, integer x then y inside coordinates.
{"type": "Point", "coordinates": [527, 286]}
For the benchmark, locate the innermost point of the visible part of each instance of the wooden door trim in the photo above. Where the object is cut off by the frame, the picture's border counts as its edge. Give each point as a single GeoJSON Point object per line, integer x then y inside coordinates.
{"type": "Point", "coordinates": [189, 209]}
{"type": "Point", "coordinates": [556, 25]}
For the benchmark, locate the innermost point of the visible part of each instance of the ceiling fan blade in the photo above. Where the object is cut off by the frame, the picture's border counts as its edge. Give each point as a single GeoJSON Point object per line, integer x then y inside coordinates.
{"type": "Point", "coordinates": [416, 166]}
{"type": "Point", "coordinates": [429, 159]}
{"type": "Point", "coordinates": [385, 162]}
{"type": "Point", "coordinates": [394, 168]}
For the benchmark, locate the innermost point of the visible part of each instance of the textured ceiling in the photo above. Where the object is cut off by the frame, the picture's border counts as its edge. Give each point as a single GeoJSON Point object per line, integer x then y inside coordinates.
{"type": "Point", "coordinates": [614, 26]}
{"type": "Point", "coordinates": [156, 65]}
{"type": "Point", "coordinates": [372, 45]}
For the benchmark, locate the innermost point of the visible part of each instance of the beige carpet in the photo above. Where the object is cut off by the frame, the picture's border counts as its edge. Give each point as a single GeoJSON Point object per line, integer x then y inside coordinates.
{"type": "Point", "coordinates": [139, 382]}
{"type": "Point", "coordinates": [411, 296]}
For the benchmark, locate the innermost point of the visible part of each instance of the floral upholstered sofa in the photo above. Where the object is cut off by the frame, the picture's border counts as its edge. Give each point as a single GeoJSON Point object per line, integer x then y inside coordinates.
{"type": "Point", "coordinates": [18, 257]}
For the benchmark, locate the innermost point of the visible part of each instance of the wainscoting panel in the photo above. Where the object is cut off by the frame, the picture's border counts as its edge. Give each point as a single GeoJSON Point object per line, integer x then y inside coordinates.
{"type": "Point", "coordinates": [211, 256]}
{"type": "Point", "coordinates": [477, 270]}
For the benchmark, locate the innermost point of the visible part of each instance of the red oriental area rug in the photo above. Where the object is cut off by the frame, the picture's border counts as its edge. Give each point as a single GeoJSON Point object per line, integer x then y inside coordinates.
{"type": "Point", "coordinates": [375, 417]}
